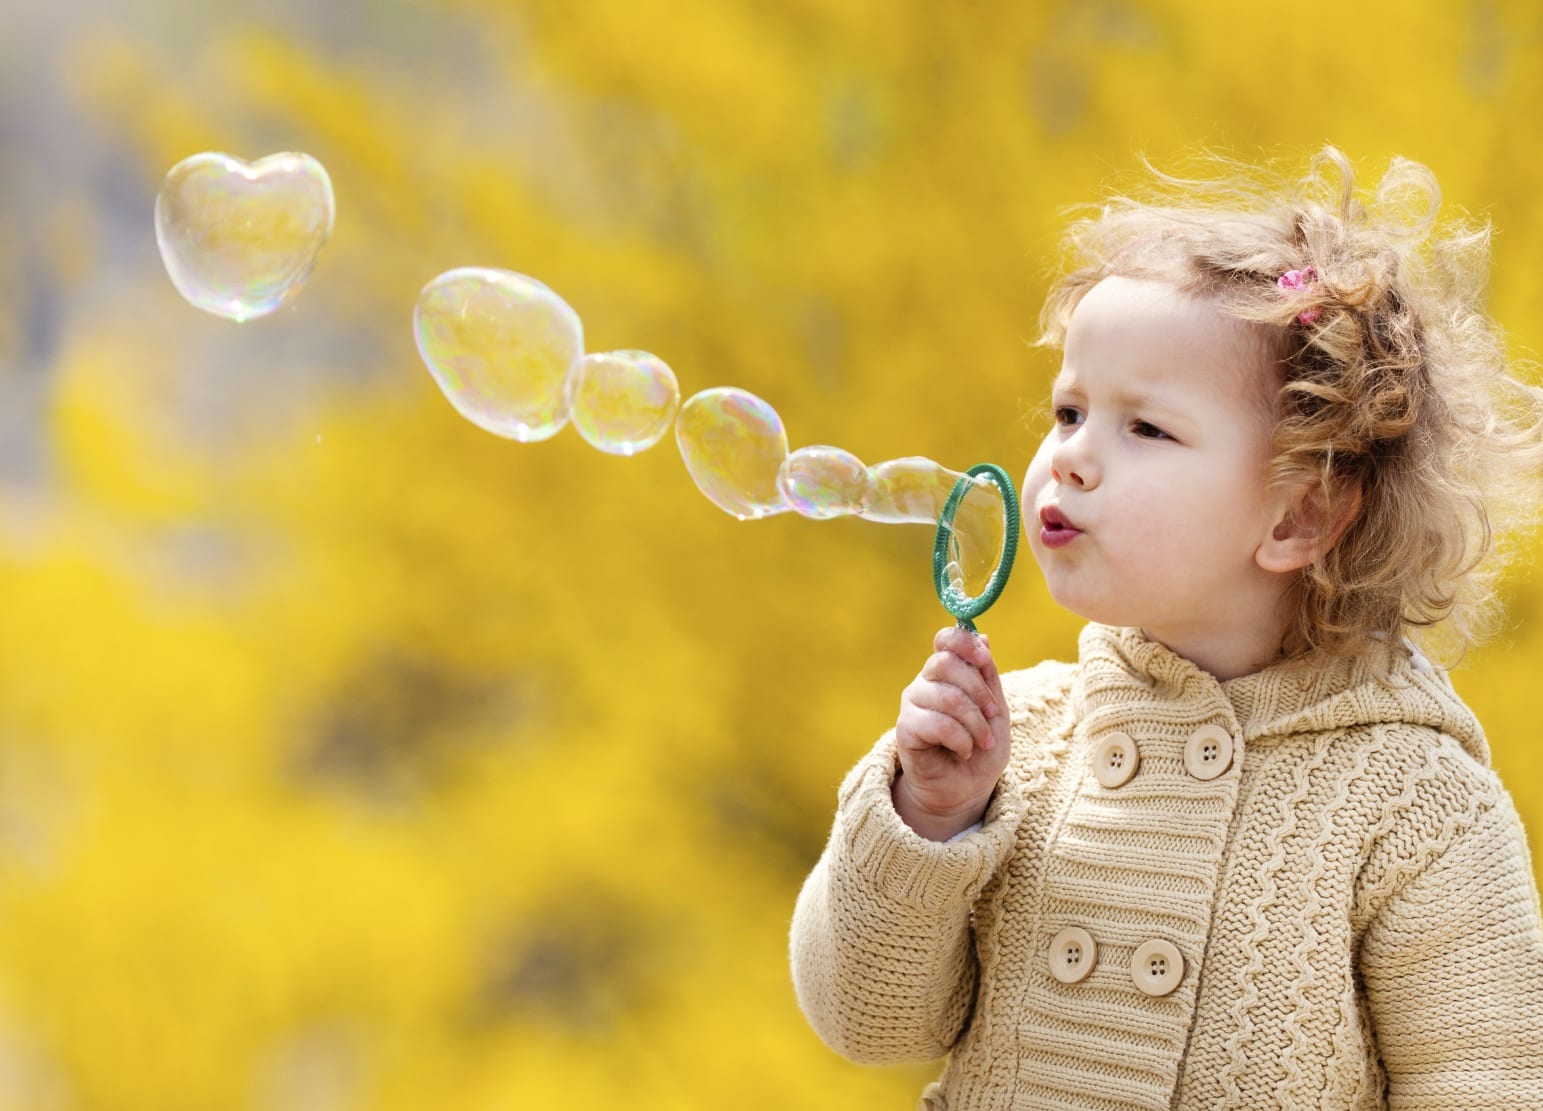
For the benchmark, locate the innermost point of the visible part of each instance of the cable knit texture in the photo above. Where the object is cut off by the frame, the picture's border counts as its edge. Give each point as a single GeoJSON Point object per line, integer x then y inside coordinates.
{"type": "Point", "coordinates": [1351, 899]}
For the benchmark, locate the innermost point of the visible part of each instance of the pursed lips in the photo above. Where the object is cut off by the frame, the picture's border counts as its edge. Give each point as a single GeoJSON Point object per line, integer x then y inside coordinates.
{"type": "Point", "coordinates": [1056, 529]}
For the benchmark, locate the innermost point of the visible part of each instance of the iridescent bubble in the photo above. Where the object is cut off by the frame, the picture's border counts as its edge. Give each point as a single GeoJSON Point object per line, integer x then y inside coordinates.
{"type": "Point", "coordinates": [240, 240]}
{"type": "Point", "coordinates": [977, 538]}
{"type": "Point", "coordinates": [501, 346]}
{"type": "Point", "coordinates": [907, 491]}
{"type": "Point", "coordinates": [822, 481]}
{"type": "Point", "coordinates": [733, 445]}
{"type": "Point", "coordinates": [622, 402]}
{"type": "Point", "coordinates": [914, 490]}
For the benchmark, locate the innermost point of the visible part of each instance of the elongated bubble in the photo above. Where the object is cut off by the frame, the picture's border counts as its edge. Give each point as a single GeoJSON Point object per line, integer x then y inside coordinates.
{"type": "Point", "coordinates": [907, 491]}
{"type": "Point", "coordinates": [622, 402]}
{"type": "Point", "coordinates": [501, 346]}
{"type": "Point", "coordinates": [823, 481]}
{"type": "Point", "coordinates": [733, 445]}
{"type": "Point", "coordinates": [240, 240]}
{"type": "Point", "coordinates": [914, 490]}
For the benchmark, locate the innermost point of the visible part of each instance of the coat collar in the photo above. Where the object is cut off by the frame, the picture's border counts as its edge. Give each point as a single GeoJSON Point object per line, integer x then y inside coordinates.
{"type": "Point", "coordinates": [1121, 666]}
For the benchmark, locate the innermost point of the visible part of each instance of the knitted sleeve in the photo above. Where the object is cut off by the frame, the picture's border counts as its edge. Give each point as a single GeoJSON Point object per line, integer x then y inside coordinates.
{"type": "Point", "coordinates": [1453, 971]}
{"type": "Point", "coordinates": [882, 951]}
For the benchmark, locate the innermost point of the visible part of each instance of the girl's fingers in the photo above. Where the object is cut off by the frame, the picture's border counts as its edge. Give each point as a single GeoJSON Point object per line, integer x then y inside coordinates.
{"type": "Point", "coordinates": [964, 644]}
{"type": "Point", "coordinates": [945, 667]}
{"type": "Point", "coordinates": [954, 703]}
{"type": "Point", "coordinates": [993, 681]}
{"type": "Point", "coordinates": [935, 729]}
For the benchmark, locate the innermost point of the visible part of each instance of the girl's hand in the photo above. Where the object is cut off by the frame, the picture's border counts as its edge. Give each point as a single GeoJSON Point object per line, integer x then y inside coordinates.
{"type": "Point", "coordinates": [952, 734]}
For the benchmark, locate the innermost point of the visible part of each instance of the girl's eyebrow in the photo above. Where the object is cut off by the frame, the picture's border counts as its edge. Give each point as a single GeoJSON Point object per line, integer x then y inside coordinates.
{"type": "Point", "coordinates": [1123, 396]}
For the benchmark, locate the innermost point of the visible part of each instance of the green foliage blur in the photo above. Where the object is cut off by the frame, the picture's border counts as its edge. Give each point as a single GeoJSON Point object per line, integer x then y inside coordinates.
{"type": "Point", "coordinates": [352, 757]}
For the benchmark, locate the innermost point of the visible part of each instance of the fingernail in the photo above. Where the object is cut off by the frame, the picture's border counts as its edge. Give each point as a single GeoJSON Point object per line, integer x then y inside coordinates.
{"type": "Point", "coordinates": [991, 709]}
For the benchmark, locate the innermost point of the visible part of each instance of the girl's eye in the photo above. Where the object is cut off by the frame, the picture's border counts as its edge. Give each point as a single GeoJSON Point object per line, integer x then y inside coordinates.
{"type": "Point", "coordinates": [1149, 431]}
{"type": "Point", "coordinates": [1067, 417]}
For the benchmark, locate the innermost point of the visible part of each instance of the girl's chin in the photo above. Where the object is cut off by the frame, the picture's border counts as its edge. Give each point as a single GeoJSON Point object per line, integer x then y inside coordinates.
{"type": "Point", "coordinates": [1069, 588]}
{"type": "Point", "coordinates": [1099, 611]}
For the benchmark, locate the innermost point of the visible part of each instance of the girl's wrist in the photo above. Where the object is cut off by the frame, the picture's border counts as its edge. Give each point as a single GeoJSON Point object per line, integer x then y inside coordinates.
{"type": "Point", "coordinates": [934, 825]}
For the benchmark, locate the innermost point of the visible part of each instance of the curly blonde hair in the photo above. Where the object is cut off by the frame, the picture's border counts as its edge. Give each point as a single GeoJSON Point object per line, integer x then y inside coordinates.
{"type": "Point", "coordinates": [1395, 398]}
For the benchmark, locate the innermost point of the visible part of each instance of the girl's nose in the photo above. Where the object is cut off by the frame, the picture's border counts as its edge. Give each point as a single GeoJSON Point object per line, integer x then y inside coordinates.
{"type": "Point", "coordinates": [1071, 465]}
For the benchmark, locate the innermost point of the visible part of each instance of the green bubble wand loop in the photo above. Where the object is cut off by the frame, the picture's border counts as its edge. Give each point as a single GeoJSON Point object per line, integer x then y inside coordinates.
{"type": "Point", "coordinates": [960, 605]}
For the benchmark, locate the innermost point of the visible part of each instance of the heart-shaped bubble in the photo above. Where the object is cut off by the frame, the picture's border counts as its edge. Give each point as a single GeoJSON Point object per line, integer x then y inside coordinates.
{"type": "Point", "coordinates": [240, 240]}
{"type": "Point", "coordinates": [501, 346]}
{"type": "Point", "coordinates": [733, 445]}
{"type": "Point", "coordinates": [622, 402]}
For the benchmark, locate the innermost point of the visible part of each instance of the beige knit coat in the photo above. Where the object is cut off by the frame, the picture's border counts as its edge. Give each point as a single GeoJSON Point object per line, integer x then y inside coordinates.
{"type": "Point", "coordinates": [1339, 912]}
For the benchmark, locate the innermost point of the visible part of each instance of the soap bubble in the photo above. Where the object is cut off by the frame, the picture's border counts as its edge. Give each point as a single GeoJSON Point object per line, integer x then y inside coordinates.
{"type": "Point", "coordinates": [501, 346]}
{"type": "Point", "coordinates": [976, 538]}
{"type": "Point", "coordinates": [955, 575]}
{"type": "Point", "coordinates": [822, 481]}
{"type": "Point", "coordinates": [733, 445]}
{"type": "Point", "coordinates": [240, 240]}
{"type": "Point", "coordinates": [622, 402]}
{"type": "Point", "coordinates": [914, 490]}
{"type": "Point", "coordinates": [907, 491]}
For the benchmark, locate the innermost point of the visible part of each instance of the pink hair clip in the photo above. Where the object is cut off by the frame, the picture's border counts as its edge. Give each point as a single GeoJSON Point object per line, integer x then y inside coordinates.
{"type": "Point", "coordinates": [1295, 280]}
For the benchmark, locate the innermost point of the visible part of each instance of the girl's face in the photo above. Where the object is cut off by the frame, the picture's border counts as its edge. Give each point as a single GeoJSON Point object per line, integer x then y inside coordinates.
{"type": "Point", "coordinates": [1149, 500]}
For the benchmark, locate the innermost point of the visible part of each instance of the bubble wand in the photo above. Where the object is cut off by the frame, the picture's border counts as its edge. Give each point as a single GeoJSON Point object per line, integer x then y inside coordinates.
{"type": "Point", "coordinates": [960, 604]}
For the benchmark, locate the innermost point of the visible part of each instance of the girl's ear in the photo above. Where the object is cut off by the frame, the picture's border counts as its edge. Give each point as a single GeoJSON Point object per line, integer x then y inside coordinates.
{"type": "Point", "coordinates": [1306, 524]}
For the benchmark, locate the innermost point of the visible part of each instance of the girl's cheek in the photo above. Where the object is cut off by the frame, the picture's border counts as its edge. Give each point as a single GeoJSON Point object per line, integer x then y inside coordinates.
{"type": "Point", "coordinates": [1039, 471]}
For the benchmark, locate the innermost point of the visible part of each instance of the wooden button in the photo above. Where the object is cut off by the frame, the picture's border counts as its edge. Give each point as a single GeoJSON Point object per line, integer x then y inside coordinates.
{"type": "Point", "coordinates": [1208, 752]}
{"type": "Point", "coordinates": [1115, 759]}
{"type": "Point", "coordinates": [1157, 967]}
{"type": "Point", "coordinates": [1072, 955]}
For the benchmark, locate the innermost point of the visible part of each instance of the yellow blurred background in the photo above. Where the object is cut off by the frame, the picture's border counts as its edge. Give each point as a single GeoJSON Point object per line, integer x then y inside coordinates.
{"type": "Point", "coordinates": [352, 757]}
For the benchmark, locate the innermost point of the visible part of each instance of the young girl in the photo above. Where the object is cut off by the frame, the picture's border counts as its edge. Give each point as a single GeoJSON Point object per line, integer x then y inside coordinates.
{"type": "Point", "coordinates": [1247, 851]}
